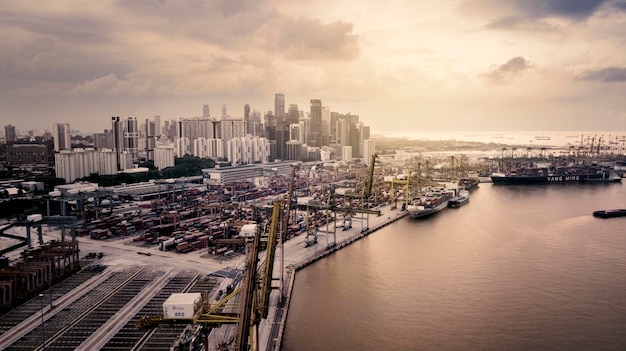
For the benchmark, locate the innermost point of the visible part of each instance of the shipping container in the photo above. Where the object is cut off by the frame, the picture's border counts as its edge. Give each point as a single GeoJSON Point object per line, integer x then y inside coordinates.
{"type": "Point", "coordinates": [182, 305]}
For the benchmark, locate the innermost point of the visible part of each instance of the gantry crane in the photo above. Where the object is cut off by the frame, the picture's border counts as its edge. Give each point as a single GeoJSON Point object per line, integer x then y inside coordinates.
{"type": "Point", "coordinates": [253, 293]}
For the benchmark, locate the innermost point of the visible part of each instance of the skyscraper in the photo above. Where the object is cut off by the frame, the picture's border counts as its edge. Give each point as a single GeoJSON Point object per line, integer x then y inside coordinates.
{"type": "Point", "coordinates": [246, 117]}
{"type": "Point", "coordinates": [116, 128]}
{"type": "Point", "coordinates": [157, 126]}
{"type": "Point", "coordinates": [316, 122]}
{"type": "Point", "coordinates": [9, 134]}
{"type": "Point", "coordinates": [205, 111]}
{"type": "Point", "coordinates": [279, 106]}
{"type": "Point", "coordinates": [62, 136]}
{"type": "Point", "coordinates": [150, 133]}
{"type": "Point", "coordinates": [293, 114]}
{"type": "Point", "coordinates": [131, 137]}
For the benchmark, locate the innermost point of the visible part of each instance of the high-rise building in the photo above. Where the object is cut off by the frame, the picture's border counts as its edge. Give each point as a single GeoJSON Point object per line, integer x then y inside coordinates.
{"type": "Point", "coordinates": [316, 123]}
{"type": "Point", "coordinates": [326, 125]}
{"type": "Point", "coordinates": [131, 137]}
{"type": "Point", "coordinates": [246, 117]}
{"type": "Point", "coordinates": [150, 134]}
{"type": "Point", "coordinates": [205, 111]}
{"type": "Point", "coordinates": [9, 134]}
{"type": "Point", "coordinates": [279, 106]}
{"type": "Point", "coordinates": [118, 144]}
{"type": "Point", "coordinates": [224, 114]}
{"type": "Point", "coordinates": [163, 157]}
{"type": "Point", "coordinates": [293, 114]}
{"type": "Point", "coordinates": [369, 148]}
{"type": "Point", "coordinates": [157, 126]}
{"type": "Point", "coordinates": [62, 136]}
{"type": "Point", "coordinates": [103, 140]}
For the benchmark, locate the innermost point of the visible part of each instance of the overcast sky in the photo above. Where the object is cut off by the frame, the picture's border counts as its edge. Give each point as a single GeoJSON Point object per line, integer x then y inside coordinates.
{"type": "Point", "coordinates": [400, 65]}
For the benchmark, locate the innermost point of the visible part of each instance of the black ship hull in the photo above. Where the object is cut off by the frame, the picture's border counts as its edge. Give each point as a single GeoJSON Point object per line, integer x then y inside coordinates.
{"type": "Point", "coordinates": [590, 178]}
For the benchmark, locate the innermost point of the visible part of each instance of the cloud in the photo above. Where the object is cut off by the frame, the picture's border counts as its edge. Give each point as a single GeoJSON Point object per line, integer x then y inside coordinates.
{"type": "Point", "coordinates": [536, 15]}
{"type": "Point", "coordinates": [310, 39]}
{"type": "Point", "coordinates": [605, 75]}
{"type": "Point", "coordinates": [512, 67]}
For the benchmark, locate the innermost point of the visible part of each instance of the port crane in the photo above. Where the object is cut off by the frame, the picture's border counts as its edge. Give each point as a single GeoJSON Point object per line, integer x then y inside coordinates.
{"type": "Point", "coordinates": [349, 210]}
{"type": "Point", "coordinates": [254, 292]}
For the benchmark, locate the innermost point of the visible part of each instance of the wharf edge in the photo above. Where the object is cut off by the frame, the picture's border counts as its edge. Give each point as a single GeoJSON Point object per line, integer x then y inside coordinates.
{"type": "Point", "coordinates": [275, 344]}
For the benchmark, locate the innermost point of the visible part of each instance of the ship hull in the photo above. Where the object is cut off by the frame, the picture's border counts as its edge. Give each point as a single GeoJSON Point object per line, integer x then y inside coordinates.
{"type": "Point", "coordinates": [416, 212]}
{"type": "Point", "coordinates": [513, 180]}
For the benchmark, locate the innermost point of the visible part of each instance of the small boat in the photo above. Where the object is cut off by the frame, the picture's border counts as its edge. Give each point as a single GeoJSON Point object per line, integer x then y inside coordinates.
{"type": "Point", "coordinates": [460, 199]}
{"type": "Point", "coordinates": [610, 213]}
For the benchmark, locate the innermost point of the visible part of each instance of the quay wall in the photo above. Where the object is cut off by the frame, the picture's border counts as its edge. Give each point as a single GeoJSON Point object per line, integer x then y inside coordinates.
{"type": "Point", "coordinates": [281, 318]}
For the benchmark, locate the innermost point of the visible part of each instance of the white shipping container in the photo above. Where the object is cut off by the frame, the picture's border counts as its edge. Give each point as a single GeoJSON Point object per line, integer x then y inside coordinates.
{"type": "Point", "coordinates": [248, 230]}
{"type": "Point", "coordinates": [304, 200]}
{"type": "Point", "coordinates": [181, 306]}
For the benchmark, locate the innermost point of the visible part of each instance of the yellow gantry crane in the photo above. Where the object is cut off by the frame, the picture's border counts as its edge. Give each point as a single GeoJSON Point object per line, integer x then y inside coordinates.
{"type": "Point", "coordinates": [256, 287]}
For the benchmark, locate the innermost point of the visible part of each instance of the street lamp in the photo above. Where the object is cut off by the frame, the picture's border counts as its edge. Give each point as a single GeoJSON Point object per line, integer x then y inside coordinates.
{"type": "Point", "coordinates": [43, 330]}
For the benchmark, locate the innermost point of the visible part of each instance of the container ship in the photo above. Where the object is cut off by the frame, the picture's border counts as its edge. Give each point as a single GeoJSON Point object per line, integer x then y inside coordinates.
{"type": "Point", "coordinates": [545, 175]}
{"type": "Point", "coordinates": [433, 201]}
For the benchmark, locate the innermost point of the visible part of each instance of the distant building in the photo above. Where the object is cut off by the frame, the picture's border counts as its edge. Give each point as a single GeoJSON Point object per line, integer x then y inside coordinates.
{"type": "Point", "coordinates": [346, 153]}
{"type": "Point", "coordinates": [62, 136]}
{"type": "Point", "coordinates": [103, 140]}
{"type": "Point", "coordinates": [9, 134]}
{"type": "Point", "coordinates": [225, 175]}
{"type": "Point", "coordinates": [163, 157]}
{"type": "Point", "coordinates": [315, 138]}
{"type": "Point", "coordinates": [26, 154]}
{"type": "Point", "coordinates": [80, 163]}
{"type": "Point", "coordinates": [294, 150]}
{"type": "Point", "coordinates": [369, 148]}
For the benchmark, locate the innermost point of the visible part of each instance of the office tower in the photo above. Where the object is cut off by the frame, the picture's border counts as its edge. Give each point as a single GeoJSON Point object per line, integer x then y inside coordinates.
{"type": "Point", "coordinates": [9, 134]}
{"type": "Point", "coordinates": [205, 111]}
{"type": "Point", "coordinates": [256, 124]}
{"type": "Point", "coordinates": [157, 126]}
{"type": "Point", "coordinates": [116, 128]}
{"type": "Point", "coordinates": [279, 106]}
{"type": "Point", "coordinates": [131, 137]}
{"type": "Point", "coordinates": [224, 115]}
{"type": "Point", "coordinates": [150, 134]}
{"type": "Point", "coordinates": [246, 117]}
{"type": "Point", "coordinates": [62, 137]}
{"type": "Point", "coordinates": [293, 115]}
{"type": "Point", "coordinates": [103, 140]}
{"type": "Point", "coordinates": [316, 122]}
{"type": "Point", "coordinates": [326, 125]}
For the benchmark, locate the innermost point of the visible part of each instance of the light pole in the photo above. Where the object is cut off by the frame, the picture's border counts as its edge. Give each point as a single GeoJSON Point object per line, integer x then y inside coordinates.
{"type": "Point", "coordinates": [43, 330]}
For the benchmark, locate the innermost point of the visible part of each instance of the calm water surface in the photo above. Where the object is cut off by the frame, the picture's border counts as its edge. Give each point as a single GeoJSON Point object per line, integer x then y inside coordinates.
{"type": "Point", "coordinates": [518, 268]}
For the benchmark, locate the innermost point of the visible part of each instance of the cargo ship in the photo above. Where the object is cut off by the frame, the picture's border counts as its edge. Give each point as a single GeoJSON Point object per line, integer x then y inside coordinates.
{"type": "Point", "coordinates": [433, 201]}
{"type": "Point", "coordinates": [546, 175]}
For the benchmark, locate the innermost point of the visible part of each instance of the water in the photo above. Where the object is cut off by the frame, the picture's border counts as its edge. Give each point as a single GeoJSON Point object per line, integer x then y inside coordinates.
{"type": "Point", "coordinates": [518, 268]}
{"type": "Point", "coordinates": [527, 138]}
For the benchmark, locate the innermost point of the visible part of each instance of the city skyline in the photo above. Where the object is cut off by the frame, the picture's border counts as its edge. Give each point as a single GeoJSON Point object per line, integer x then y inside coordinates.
{"type": "Point", "coordinates": [453, 65]}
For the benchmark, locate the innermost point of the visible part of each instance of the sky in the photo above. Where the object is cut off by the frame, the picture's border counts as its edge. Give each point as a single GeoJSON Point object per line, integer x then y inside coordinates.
{"type": "Point", "coordinates": [400, 65]}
